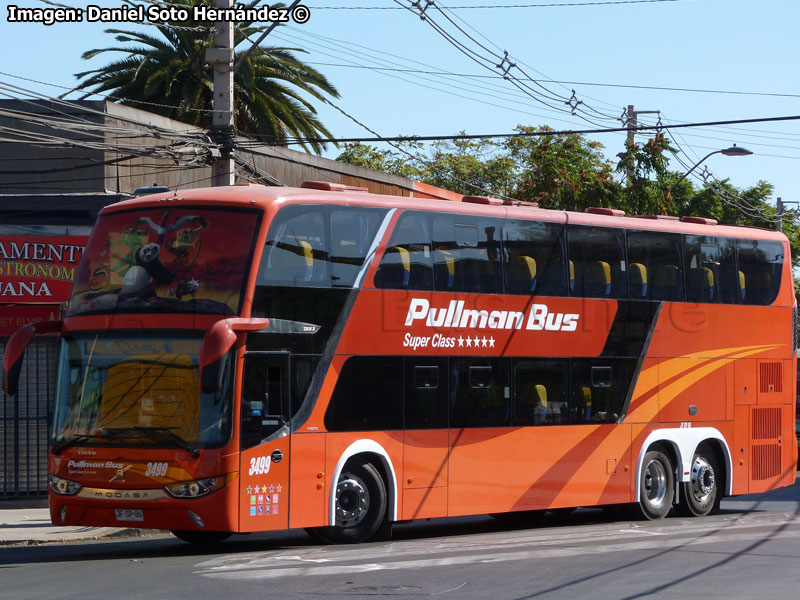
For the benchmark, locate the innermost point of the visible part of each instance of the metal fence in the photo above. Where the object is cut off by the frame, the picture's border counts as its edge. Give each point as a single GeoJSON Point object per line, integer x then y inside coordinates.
{"type": "Point", "coordinates": [24, 423]}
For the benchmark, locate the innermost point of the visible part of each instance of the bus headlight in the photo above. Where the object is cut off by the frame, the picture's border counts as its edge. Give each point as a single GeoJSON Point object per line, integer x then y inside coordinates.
{"type": "Point", "coordinates": [64, 487]}
{"type": "Point", "coordinates": [195, 489]}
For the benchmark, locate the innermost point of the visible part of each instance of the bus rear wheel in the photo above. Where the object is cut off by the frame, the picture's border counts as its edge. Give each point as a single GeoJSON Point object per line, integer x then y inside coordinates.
{"type": "Point", "coordinates": [201, 538]}
{"type": "Point", "coordinates": [360, 506]}
{"type": "Point", "coordinates": [656, 485]}
{"type": "Point", "coordinates": [701, 494]}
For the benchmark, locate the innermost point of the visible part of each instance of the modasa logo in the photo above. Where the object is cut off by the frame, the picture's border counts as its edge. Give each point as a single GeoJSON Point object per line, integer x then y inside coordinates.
{"type": "Point", "coordinates": [454, 315]}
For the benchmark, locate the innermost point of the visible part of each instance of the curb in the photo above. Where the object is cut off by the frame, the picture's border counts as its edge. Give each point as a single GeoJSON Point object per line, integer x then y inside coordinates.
{"type": "Point", "coordinates": [114, 535]}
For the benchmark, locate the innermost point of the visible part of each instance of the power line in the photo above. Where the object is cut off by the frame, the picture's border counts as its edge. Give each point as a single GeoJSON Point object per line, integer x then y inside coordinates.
{"type": "Point", "coordinates": [434, 138]}
{"type": "Point", "coordinates": [564, 82]}
{"type": "Point", "coordinates": [495, 6]}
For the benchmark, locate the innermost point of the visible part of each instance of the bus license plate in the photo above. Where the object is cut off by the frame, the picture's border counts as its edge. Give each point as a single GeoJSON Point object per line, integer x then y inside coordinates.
{"type": "Point", "coordinates": [129, 514]}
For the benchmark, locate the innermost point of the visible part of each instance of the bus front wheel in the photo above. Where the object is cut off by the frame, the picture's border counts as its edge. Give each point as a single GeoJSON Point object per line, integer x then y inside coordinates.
{"type": "Point", "coordinates": [360, 506]}
{"type": "Point", "coordinates": [700, 495]}
{"type": "Point", "coordinates": [656, 485]}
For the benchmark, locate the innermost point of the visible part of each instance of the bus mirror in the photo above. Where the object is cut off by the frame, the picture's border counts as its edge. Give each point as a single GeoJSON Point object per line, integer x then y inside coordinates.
{"type": "Point", "coordinates": [15, 350]}
{"type": "Point", "coordinates": [216, 343]}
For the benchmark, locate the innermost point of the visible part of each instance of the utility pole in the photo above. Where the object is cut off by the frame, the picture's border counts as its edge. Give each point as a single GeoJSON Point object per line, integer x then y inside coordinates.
{"type": "Point", "coordinates": [780, 207]}
{"type": "Point", "coordinates": [632, 123]}
{"type": "Point", "coordinates": [222, 132]}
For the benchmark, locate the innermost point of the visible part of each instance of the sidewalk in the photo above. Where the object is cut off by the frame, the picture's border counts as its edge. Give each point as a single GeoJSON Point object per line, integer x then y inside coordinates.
{"type": "Point", "coordinates": [27, 522]}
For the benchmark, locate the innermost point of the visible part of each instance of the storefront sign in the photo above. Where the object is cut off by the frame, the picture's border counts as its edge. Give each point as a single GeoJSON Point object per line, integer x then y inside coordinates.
{"type": "Point", "coordinates": [38, 269]}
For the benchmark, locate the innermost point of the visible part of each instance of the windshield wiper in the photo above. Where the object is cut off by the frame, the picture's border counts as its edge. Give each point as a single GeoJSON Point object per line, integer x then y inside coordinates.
{"type": "Point", "coordinates": [60, 445]}
{"type": "Point", "coordinates": [161, 433]}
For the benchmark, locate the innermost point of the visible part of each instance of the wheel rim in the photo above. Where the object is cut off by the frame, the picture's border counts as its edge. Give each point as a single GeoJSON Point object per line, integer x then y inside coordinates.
{"type": "Point", "coordinates": [655, 483]}
{"type": "Point", "coordinates": [703, 482]}
{"type": "Point", "coordinates": [352, 501]}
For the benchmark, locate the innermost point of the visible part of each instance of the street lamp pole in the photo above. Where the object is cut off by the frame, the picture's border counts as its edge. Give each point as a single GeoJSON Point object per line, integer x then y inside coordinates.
{"type": "Point", "coordinates": [732, 151]}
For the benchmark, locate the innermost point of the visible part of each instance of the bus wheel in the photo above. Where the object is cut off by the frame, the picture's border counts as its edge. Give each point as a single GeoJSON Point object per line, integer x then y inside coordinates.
{"type": "Point", "coordinates": [201, 538]}
{"type": "Point", "coordinates": [360, 506]}
{"type": "Point", "coordinates": [700, 493]}
{"type": "Point", "coordinates": [656, 485]}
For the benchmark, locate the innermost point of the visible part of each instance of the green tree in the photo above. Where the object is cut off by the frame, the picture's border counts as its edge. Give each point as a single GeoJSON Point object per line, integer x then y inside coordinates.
{"type": "Point", "coordinates": [167, 74]}
{"type": "Point", "coordinates": [565, 171]}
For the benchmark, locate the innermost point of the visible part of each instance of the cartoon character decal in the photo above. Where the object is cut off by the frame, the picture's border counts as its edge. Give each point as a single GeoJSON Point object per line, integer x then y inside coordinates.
{"type": "Point", "coordinates": [155, 260]}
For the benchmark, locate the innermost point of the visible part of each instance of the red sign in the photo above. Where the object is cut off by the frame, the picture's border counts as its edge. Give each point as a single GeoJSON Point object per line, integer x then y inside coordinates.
{"type": "Point", "coordinates": [13, 317]}
{"type": "Point", "coordinates": [38, 269]}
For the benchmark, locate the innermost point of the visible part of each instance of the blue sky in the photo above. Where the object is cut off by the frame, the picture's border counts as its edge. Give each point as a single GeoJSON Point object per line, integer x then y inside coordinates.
{"type": "Point", "coordinates": [607, 53]}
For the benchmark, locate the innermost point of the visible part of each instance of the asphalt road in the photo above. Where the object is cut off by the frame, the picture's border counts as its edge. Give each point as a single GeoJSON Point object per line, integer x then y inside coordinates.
{"type": "Point", "coordinates": [749, 550]}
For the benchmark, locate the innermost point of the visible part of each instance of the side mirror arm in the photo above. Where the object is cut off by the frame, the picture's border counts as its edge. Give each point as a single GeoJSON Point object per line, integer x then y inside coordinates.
{"type": "Point", "coordinates": [215, 346]}
{"type": "Point", "coordinates": [15, 350]}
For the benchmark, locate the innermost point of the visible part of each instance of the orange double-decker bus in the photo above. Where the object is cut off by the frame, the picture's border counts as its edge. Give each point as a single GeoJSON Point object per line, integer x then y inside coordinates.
{"type": "Point", "coordinates": [252, 358]}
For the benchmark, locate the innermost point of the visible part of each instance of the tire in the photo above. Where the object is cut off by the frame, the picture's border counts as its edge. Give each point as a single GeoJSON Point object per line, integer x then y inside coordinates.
{"type": "Point", "coordinates": [701, 495]}
{"type": "Point", "coordinates": [360, 506]}
{"type": "Point", "coordinates": [201, 538]}
{"type": "Point", "coordinates": [656, 485]}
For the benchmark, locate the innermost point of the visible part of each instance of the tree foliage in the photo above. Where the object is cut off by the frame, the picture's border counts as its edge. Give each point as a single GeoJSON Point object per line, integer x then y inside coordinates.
{"type": "Point", "coordinates": [167, 74]}
{"type": "Point", "coordinates": [569, 172]}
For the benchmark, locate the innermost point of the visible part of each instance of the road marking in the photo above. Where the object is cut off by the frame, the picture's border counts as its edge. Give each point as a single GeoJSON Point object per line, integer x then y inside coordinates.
{"type": "Point", "coordinates": [494, 548]}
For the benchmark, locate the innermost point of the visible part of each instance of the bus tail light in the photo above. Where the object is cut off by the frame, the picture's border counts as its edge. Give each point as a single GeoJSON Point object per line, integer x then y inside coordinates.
{"type": "Point", "coordinates": [196, 489]}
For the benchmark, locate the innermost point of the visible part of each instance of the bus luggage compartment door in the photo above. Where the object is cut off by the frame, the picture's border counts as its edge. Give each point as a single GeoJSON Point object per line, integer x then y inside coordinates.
{"type": "Point", "coordinates": [265, 443]}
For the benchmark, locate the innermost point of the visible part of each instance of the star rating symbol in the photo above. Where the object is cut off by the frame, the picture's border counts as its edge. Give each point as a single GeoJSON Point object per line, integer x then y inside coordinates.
{"type": "Point", "coordinates": [272, 489]}
{"type": "Point", "coordinates": [469, 342]}
{"type": "Point", "coordinates": [485, 341]}
{"type": "Point", "coordinates": [264, 490]}
{"type": "Point", "coordinates": [477, 341]}
{"type": "Point", "coordinates": [491, 342]}
{"type": "Point", "coordinates": [460, 342]}
{"type": "Point", "coordinates": [279, 489]}
{"type": "Point", "coordinates": [249, 490]}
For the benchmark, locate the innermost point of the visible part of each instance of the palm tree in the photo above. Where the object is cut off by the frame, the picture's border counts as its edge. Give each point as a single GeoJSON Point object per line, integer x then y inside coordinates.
{"type": "Point", "coordinates": [169, 76]}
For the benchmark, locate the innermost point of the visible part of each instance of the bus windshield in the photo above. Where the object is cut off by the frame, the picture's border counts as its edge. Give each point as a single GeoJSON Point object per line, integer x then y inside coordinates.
{"type": "Point", "coordinates": [175, 260]}
{"type": "Point", "coordinates": [140, 390]}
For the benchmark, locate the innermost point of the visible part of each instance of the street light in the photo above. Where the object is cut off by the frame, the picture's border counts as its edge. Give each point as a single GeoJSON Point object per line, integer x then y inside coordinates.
{"type": "Point", "coordinates": [732, 151]}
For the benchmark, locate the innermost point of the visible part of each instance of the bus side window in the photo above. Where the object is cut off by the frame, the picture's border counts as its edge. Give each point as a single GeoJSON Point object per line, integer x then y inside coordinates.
{"type": "Point", "coordinates": [481, 393]}
{"type": "Point", "coordinates": [599, 389]}
{"type": "Point", "coordinates": [540, 392]}
{"type": "Point", "coordinates": [406, 264]}
{"type": "Point", "coordinates": [296, 251]}
{"type": "Point", "coordinates": [467, 254]}
{"type": "Point", "coordinates": [352, 232]}
{"type": "Point", "coordinates": [533, 255]}
{"type": "Point", "coordinates": [660, 255]}
{"type": "Point", "coordinates": [597, 256]}
{"type": "Point", "coordinates": [710, 267]}
{"type": "Point", "coordinates": [263, 400]}
{"type": "Point", "coordinates": [368, 395]}
{"type": "Point", "coordinates": [761, 263]}
{"type": "Point", "coordinates": [426, 393]}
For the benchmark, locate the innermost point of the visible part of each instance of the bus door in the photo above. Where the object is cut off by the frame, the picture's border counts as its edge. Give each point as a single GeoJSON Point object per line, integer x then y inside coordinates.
{"type": "Point", "coordinates": [264, 441]}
